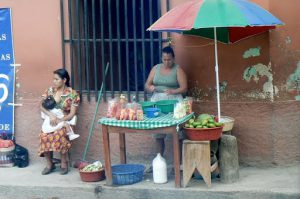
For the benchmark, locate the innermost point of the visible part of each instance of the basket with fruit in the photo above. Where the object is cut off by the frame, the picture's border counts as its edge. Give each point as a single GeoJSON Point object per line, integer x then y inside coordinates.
{"type": "Point", "coordinates": [204, 127]}
{"type": "Point", "coordinates": [92, 172]}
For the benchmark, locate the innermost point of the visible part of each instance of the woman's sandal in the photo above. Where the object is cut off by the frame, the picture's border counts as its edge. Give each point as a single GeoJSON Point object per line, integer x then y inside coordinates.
{"type": "Point", "coordinates": [47, 170]}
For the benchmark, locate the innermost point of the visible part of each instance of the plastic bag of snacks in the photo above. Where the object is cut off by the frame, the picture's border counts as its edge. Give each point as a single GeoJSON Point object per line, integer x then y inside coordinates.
{"type": "Point", "coordinates": [112, 108]}
{"type": "Point", "coordinates": [115, 106]}
{"type": "Point", "coordinates": [121, 110]}
{"type": "Point", "coordinates": [179, 110]}
{"type": "Point", "coordinates": [188, 101]}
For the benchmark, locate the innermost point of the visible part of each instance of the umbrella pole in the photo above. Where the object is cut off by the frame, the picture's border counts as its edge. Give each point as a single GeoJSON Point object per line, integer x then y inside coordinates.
{"type": "Point", "coordinates": [217, 73]}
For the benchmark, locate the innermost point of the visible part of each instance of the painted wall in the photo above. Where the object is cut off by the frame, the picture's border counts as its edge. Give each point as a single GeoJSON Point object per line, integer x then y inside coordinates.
{"type": "Point", "coordinates": [258, 83]}
{"type": "Point", "coordinates": [257, 76]}
{"type": "Point", "coordinates": [37, 41]}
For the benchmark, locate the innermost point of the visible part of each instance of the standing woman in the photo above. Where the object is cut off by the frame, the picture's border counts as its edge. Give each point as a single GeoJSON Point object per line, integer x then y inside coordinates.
{"type": "Point", "coordinates": [167, 81]}
{"type": "Point", "coordinates": [68, 101]}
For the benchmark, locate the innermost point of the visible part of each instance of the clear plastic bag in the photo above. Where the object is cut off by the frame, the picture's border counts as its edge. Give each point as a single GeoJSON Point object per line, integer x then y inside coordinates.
{"type": "Point", "coordinates": [188, 104]}
{"type": "Point", "coordinates": [179, 110]}
{"type": "Point", "coordinates": [112, 108]}
{"type": "Point", "coordinates": [135, 111]}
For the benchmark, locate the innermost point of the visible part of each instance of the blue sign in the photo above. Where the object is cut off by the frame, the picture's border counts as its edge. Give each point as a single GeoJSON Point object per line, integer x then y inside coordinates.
{"type": "Point", "coordinates": [7, 73]}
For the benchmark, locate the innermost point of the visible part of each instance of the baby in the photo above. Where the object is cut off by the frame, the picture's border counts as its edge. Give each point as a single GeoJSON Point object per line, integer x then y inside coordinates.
{"type": "Point", "coordinates": [49, 104]}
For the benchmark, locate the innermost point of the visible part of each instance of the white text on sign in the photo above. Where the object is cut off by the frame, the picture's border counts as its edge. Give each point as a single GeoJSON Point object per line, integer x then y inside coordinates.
{"type": "Point", "coordinates": [3, 37]}
{"type": "Point", "coordinates": [4, 127]}
{"type": "Point", "coordinates": [5, 57]}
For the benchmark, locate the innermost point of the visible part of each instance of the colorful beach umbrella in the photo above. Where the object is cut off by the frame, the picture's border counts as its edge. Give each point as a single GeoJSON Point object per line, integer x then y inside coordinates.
{"type": "Point", "coordinates": [227, 21]}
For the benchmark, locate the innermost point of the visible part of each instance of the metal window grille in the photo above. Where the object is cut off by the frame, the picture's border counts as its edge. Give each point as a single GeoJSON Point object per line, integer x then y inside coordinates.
{"type": "Point", "coordinates": [114, 31]}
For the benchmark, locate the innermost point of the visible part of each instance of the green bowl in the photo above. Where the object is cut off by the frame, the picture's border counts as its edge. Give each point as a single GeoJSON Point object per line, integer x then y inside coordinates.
{"type": "Point", "coordinates": [166, 106]}
{"type": "Point", "coordinates": [147, 104]}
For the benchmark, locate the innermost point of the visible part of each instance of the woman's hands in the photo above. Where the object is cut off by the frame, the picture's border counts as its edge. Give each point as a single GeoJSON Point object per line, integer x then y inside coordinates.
{"type": "Point", "coordinates": [170, 92]}
{"type": "Point", "coordinates": [151, 88]}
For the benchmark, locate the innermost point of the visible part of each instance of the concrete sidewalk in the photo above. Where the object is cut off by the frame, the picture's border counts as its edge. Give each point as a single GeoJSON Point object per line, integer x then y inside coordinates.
{"type": "Point", "coordinates": [260, 183]}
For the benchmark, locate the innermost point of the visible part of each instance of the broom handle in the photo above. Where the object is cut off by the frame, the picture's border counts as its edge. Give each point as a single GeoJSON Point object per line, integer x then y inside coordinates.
{"type": "Point", "coordinates": [91, 130]}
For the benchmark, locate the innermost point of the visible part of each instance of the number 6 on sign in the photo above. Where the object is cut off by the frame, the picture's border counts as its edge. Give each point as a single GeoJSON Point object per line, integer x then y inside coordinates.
{"type": "Point", "coordinates": [4, 87]}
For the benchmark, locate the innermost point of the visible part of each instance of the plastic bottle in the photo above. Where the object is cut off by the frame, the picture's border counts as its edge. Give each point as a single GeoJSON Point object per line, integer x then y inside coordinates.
{"type": "Point", "coordinates": [159, 170]}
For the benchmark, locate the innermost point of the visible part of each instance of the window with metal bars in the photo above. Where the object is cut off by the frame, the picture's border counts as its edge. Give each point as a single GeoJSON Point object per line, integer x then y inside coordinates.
{"type": "Point", "coordinates": [114, 32]}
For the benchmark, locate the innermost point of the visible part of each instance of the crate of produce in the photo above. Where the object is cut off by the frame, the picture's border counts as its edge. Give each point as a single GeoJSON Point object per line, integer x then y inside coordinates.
{"type": "Point", "coordinates": [92, 172]}
{"type": "Point", "coordinates": [203, 134]}
{"type": "Point", "coordinates": [203, 128]}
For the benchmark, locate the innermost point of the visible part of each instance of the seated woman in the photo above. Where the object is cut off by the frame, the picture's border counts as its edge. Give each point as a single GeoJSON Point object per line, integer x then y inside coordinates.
{"type": "Point", "coordinates": [67, 100]}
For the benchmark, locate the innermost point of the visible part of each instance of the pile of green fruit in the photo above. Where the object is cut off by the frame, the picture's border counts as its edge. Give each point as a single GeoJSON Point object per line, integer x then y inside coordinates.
{"type": "Point", "coordinates": [96, 166]}
{"type": "Point", "coordinates": [203, 121]}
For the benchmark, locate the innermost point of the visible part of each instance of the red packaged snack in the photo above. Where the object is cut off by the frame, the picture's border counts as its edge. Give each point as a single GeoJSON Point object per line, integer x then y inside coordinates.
{"type": "Point", "coordinates": [112, 108]}
{"type": "Point", "coordinates": [124, 114]}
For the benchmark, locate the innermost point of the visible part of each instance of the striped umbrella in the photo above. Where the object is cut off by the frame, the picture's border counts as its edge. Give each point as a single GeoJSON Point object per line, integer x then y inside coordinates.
{"type": "Point", "coordinates": [227, 21]}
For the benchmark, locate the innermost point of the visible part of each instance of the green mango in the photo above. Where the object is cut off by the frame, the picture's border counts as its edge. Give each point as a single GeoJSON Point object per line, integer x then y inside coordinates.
{"type": "Point", "coordinates": [210, 120]}
{"type": "Point", "coordinates": [199, 127]}
{"type": "Point", "coordinates": [187, 126]}
{"type": "Point", "coordinates": [211, 125]}
{"type": "Point", "coordinates": [196, 123]}
{"type": "Point", "coordinates": [204, 122]}
{"type": "Point", "coordinates": [218, 124]}
{"type": "Point", "coordinates": [191, 121]}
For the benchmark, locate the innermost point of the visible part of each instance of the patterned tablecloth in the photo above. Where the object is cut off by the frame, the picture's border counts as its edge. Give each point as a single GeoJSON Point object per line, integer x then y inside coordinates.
{"type": "Point", "coordinates": [165, 120]}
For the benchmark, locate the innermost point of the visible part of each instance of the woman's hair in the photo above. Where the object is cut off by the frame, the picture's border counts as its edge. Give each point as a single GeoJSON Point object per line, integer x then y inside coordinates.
{"type": "Point", "coordinates": [49, 103]}
{"type": "Point", "coordinates": [63, 74]}
{"type": "Point", "coordinates": [168, 50]}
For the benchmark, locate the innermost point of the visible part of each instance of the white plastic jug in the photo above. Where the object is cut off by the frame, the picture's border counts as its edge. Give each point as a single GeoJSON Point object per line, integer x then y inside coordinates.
{"type": "Point", "coordinates": [159, 169]}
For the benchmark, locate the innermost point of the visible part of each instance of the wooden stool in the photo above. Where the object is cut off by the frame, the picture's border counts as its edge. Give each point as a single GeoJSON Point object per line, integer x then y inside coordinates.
{"type": "Point", "coordinates": [196, 155]}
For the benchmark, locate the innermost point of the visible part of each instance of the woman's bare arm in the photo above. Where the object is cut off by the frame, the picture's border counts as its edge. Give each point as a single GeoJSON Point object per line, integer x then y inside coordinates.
{"type": "Point", "coordinates": [149, 83]}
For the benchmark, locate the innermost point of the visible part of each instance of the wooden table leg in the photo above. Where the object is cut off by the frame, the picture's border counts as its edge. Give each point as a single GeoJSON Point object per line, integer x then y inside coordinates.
{"type": "Point", "coordinates": [176, 159]}
{"type": "Point", "coordinates": [106, 150]}
{"type": "Point", "coordinates": [122, 143]}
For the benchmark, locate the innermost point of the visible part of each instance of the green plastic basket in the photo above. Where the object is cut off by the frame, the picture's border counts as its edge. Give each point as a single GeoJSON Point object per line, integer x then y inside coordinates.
{"type": "Point", "coordinates": [147, 104]}
{"type": "Point", "coordinates": [166, 106]}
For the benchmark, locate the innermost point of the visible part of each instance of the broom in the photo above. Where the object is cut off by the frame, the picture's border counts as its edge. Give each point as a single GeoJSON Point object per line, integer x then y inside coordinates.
{"type": "Point", "coordinates": [91, 129]}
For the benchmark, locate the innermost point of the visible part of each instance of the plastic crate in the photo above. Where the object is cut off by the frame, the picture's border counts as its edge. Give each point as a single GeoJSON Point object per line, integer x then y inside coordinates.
{"type": "Point", "coordinates": [125, 174]}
